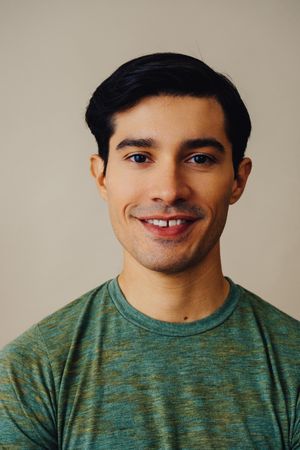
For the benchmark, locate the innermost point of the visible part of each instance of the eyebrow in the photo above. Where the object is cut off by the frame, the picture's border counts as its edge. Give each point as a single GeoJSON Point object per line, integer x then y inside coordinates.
{"type": "Point", "coordinates": [193, 144]}
{"type": "Point", "coordinates": [190, 144]}
{"type": "Point", "coordinates": [143, 143]}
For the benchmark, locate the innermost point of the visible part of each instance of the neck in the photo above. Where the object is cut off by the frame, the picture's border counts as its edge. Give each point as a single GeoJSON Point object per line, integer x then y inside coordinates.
{"type": "Point", "coordinates": [182, 297]}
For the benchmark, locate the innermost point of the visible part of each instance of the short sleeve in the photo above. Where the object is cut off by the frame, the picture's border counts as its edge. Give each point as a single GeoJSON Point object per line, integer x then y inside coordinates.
{"type": "Point", "coordinates": [295, 445]}
{"type": "Point", "coordinates": [27, 395]}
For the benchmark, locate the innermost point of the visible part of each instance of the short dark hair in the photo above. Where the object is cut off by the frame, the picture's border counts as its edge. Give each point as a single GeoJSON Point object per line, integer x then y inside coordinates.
{"type": "Point", "coordinates": [172, 74]}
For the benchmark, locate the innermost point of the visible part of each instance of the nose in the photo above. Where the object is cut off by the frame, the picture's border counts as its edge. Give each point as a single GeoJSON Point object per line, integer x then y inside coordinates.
{"type": "Point", "coordinates": [169, 184]}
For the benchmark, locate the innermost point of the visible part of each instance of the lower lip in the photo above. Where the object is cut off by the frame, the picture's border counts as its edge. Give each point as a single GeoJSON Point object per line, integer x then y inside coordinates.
{"type": "Point", "coordinates": [165, 232]}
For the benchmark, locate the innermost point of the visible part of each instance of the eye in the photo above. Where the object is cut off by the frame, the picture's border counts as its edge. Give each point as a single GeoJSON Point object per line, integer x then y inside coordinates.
{"type": "Point", "coordinates": [201, 159]}
{"type": "Point", "coordinates": [138, 158]}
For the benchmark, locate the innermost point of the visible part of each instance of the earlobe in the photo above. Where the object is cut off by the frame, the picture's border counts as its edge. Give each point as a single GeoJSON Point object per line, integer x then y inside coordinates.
{"type": "Point", "coordinates": [240, 181]}
{"type": "Point", "coordinates": [97, 171]}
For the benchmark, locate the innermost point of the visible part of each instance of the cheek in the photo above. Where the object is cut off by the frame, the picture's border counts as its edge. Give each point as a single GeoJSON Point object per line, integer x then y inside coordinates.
{"type": "Point", "coordinates": [217, 194]}
{"type": "Point", "coordinates": [121, 194]}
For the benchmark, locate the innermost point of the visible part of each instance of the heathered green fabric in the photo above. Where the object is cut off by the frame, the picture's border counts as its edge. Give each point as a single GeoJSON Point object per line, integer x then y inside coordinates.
{"type": "Point", "coordinates": [98, 374]}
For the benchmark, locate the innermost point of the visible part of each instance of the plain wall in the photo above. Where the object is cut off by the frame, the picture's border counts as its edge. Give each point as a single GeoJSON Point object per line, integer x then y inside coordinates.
{"type": "Point", "coordinates": [56, 241]}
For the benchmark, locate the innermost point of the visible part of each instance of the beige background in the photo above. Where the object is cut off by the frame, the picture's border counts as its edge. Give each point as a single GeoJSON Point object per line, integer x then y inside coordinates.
{"type": "Point", "coordinates": [56, 241]}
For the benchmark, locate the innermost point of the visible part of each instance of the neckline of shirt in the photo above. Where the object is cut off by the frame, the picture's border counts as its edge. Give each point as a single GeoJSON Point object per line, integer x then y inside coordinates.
{"type": "Point", "coordinates": [173, 328]}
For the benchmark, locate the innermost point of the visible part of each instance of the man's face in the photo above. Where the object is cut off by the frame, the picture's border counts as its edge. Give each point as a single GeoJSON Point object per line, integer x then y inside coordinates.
{"type": "Point", "coordinates": [169, 181]}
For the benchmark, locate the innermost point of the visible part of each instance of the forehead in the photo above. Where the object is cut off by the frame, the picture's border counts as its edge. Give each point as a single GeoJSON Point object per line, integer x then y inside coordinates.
{"type": "Point", "coordinates": [169, 116]}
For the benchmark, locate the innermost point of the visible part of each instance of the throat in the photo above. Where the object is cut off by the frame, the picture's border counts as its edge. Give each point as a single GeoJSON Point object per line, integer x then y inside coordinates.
{"type": "Point", "coordinates": [184, 296]}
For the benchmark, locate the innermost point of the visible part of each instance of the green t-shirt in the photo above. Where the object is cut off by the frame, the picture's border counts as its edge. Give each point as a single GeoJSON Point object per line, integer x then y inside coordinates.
{"type": "Point", "coordinates": [98, 374]}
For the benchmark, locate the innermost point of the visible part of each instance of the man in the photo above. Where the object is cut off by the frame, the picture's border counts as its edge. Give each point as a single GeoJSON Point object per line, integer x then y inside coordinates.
{"type": "Point", "coordinates": [170, 354]}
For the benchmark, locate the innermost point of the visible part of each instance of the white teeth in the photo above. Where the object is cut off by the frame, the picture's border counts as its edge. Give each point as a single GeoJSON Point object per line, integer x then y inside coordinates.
{"type": "Point", "coordinates": [159, 223]}
{"type": "Point", "coordinates": [162, 223]}
{"type": "Point", "coordinates": [166, 223]}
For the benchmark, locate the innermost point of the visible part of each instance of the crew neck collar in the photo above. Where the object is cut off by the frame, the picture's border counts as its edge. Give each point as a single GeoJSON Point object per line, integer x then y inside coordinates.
{"type": "Point", "coordinates": [173, 328]}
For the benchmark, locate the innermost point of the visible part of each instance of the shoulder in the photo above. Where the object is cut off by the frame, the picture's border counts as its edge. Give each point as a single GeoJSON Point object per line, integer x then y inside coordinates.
{"type": "Point", "coordinates": [79, 313]}
{"type": "Point", "coordinates": [33, 365]}
{"type": "Point", "coordinates": [270, 319]}
{"type": "Point", "coordinates": [270, 312]}
{"type": "Point", "coordinates": [52, 337]}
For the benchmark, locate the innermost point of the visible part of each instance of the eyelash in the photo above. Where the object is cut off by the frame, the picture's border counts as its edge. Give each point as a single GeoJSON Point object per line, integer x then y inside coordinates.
{"type": "Point", "coordinates": [209, 160]}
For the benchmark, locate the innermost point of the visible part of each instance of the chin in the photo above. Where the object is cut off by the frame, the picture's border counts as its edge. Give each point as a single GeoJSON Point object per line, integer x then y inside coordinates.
{"type": "Point", "coordinates": [168, 267]}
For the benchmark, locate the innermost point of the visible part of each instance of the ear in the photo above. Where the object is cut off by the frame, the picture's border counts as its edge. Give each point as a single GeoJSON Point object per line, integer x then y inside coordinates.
{"type": "Point", "coordinates": [240, 181]}
{"type": "Point", "coordinates": [97, 171]}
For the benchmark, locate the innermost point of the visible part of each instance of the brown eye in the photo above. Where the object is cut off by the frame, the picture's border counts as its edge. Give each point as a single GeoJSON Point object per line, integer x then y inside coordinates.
{"type": "Point", "coordinates": [138, 158]}
{"type": "Point", "coordinates": [201, 159]}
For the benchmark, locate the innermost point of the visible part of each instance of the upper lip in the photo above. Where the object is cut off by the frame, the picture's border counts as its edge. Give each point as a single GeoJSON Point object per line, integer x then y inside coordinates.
{"type": "Point", "coordinates": [174, 217]}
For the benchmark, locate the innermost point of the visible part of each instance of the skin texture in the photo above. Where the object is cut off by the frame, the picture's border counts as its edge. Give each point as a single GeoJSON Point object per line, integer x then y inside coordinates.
{"type": "Point", "coordinates": [168, 178]}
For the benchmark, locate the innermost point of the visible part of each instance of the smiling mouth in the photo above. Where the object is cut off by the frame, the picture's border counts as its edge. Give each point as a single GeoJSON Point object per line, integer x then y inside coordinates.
{"type": "Point", "coordinates": [172, 228]}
